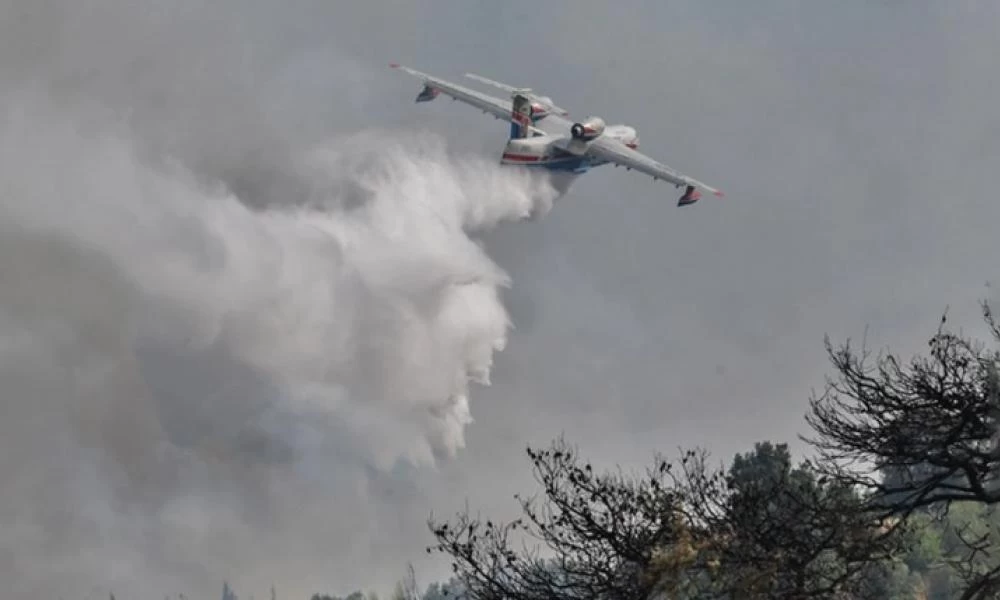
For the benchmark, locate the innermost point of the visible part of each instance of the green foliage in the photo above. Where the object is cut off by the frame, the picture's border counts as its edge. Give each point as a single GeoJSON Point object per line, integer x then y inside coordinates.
{"type": "Point", "coordinates": [925, 548]}
{"type": "Point", "coordinates": [794, 534]}
{"type": "Point", "coordinates": [937, 559]}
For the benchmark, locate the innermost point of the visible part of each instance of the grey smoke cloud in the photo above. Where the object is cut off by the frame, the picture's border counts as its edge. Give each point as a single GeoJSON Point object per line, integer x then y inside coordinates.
{"type": "Point", "coordinates": [222, 323]}
{"type": "Point", "coordinates": [855, 145]}
{"type": "Point", "coordinates": [203, 355]}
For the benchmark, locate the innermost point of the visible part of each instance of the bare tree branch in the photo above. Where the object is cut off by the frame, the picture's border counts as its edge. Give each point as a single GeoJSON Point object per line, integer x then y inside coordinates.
{"type": "Point", "coordinates": [917, 437]}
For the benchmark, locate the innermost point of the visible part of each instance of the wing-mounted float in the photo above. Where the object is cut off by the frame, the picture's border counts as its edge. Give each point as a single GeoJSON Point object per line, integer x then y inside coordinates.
{"type": "Point", "coordinates": [434, 86]}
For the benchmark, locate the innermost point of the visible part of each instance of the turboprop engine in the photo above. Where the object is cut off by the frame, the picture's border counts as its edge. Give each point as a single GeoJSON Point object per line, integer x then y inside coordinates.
{"type": "Point", "coordinates": [590, 128]}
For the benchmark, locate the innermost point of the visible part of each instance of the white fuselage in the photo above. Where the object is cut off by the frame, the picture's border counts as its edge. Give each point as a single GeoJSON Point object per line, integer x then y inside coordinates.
{"type": "Point", "coordinates": [539, 149]}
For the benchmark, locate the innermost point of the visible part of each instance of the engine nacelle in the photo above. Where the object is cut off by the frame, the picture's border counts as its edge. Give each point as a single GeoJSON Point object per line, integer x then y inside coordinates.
{"type": "Point", "coordinates": [590, 128]}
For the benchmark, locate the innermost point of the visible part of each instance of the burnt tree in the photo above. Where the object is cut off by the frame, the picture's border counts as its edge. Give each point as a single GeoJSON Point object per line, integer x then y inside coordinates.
{"type": "Point", "coordinates": [760, 529]}
{"type": "Point", "coordinates": [780, 531]}
{"type": "Point", "coordinates": [918, 436]}
{"type": "Point", "coordinates": [606, 536]}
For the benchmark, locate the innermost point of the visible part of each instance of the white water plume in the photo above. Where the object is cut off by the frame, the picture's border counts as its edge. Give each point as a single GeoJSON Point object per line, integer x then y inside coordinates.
{"type": "Point", "coordinates": [165, 344]}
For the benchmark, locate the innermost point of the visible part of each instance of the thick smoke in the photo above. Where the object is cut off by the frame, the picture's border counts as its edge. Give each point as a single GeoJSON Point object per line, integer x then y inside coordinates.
{"type": "Point", "coordinates": [163, 340]}
{"type": "Point", "coordinates": [214, 341]}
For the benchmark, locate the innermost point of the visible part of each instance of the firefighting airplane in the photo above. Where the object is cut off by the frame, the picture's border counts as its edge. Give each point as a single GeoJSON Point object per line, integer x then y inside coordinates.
{"type": "Point", "coordinates": [543, 135]}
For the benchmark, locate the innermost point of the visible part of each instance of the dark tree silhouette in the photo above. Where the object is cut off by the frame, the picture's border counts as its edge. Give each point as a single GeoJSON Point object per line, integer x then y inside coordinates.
{"type": "Point", "coordinates": [779, 531]}
{"type": "Point", "coordinates": [918, 437]}
{"type": "Point", "coordinates": [608, 536]}
{"type": "Point", "coordinates": [762, 529]}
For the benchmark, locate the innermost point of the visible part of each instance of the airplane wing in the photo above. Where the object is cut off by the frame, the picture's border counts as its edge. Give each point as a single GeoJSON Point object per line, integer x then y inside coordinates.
{"type": "Point", "coordinates": [499, 108]}
{"type": "Point", "coordinates": [618, 153]}
{"type": "Point", "coordinates": [511, 89]}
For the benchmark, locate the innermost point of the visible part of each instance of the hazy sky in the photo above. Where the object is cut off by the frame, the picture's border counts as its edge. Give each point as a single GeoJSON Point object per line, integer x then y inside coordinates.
{"type": "Point", "coordinates": [855, 142]}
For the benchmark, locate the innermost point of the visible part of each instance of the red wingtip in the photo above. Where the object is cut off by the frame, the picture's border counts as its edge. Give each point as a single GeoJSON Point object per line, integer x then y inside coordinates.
{"type": "Point", "coordinates": [719, 194]}
{"type": "Point", "coordinates": [394, 65]}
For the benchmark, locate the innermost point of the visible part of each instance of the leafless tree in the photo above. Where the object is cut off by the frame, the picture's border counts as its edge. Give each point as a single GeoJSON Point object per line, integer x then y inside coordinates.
{"type": "Point", "coordinates": [606, 535]}
{"type": "Point", "coordinates": [931, 425]}
{"type": "Point", "coordinates": [781, 531]}
{"type": "Point", "coordinates": [762, 529]}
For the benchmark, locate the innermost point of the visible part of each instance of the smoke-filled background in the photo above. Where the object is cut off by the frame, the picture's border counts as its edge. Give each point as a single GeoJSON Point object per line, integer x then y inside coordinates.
{"type": "Point", "coordinates": [243, 308]}
{"type": "Point", "coordinates": [216, 320]}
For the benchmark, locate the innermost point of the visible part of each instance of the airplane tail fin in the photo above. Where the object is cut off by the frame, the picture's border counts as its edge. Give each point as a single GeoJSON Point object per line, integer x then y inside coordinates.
{"type": "Point", "coordinates": [520, 117]}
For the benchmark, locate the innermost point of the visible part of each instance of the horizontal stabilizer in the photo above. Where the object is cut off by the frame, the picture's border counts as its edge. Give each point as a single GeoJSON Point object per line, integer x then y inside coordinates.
{"type": "Point", "coordinates": [519, 90]}
{"type": "Point", "coordinates": [503, 86]}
